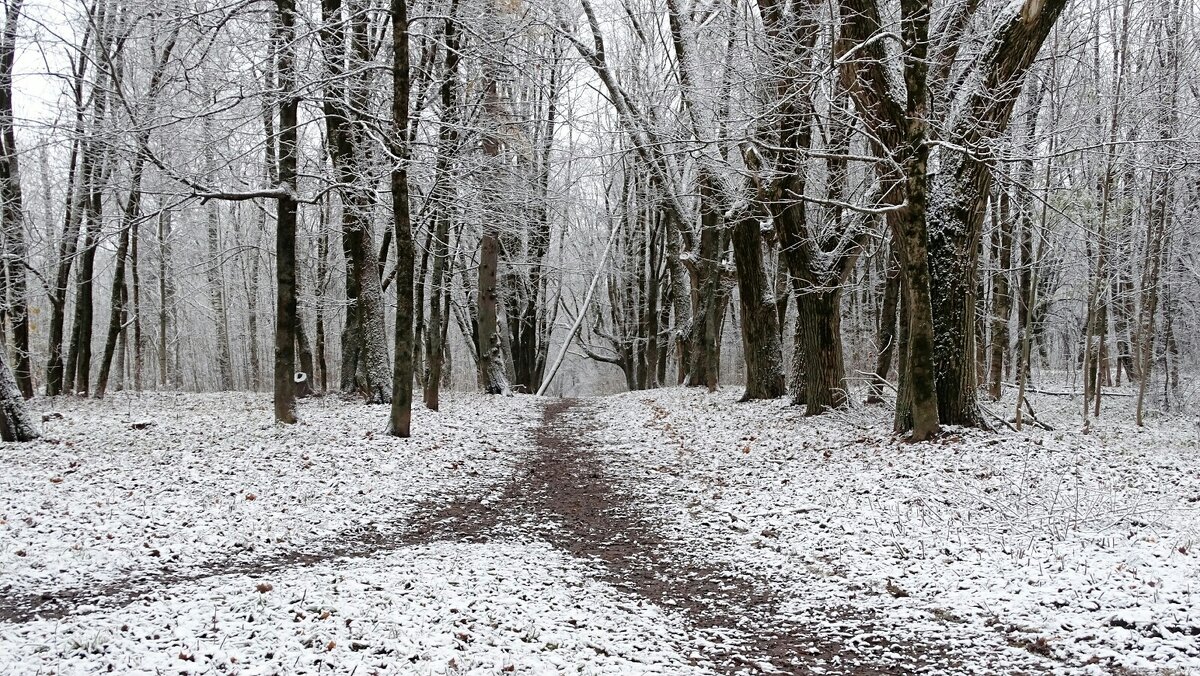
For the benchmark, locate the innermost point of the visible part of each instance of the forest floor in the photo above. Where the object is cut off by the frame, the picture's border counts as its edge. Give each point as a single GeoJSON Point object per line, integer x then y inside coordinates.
{"type": "Point", "coordinates": [670, 531]}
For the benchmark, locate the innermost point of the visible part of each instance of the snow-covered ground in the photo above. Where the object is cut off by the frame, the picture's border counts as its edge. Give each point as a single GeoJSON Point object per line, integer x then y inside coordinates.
{"type": "Point", "coordinates": [447, 608]}
{"type": "Point", "coordinates": [222, 538]}
{"type": "Point", "coordinates": [1081, 547]}
{"type": "Point", "coordinates": [212, 479]}
{"type": "Point", "coordinates": [107, 502]}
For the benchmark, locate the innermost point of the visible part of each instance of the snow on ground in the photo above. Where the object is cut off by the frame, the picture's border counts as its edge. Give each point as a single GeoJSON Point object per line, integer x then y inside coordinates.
{"type": "Point", "coordinates": [1023, 552]}
{"type": "Point", "coordinates": [446, 608]}
{"type": "Point", "coordinates": [211, 478]}
{"type": "Point", "coordinates": [1081, 547]}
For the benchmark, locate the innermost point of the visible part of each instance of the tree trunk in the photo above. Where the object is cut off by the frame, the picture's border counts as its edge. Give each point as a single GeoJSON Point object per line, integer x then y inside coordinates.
{"type": "Point", "coordinates": [1002, 248]}
{"type": "Point", "coordinates": [16, 422]}
{"type": "Point", "coordinates": [960, 197]}
{"type": "Point", "coordinates": [285, 231]}
{"type": "Point", "coordinates": [79, 359]}
{"type": "Point", "coordinates": [760, 329]}
{"type": "Point", "coordinates": [819, 323]}
{"type": "Point", "coordinates": [400, 418]}
{"type": "Point", "coordinates": [216, 297]}
{"type": "Point", "coordinates": [364, 340]}
{"type": "Point", "coordinates": [886, 331]}
{"type": "Point", "coordinates": [319, 294]}
{"type": "Point", "coordinates": [132, 211]}
{"type": "Point", "coordinates": [441, 197]}
{"type": "Point", "coordinates": [79, 171]}
{"type": "Point", "coordinates": [12, 209]}
{"type": "Point", "coordinates": [528, 351]}
{"type": "Point", "coordinates": [304, 353]}
{"type": "Point", "coordinates": [119, 294]}
{"type": "Point", "coordinates": [704, 347]}
{"type": "Point", "coordinates": [135, 270]}
{"type": "Point", "coordinates": [492, 375]}
{"type": "Point", "coordinates": [166, 295]}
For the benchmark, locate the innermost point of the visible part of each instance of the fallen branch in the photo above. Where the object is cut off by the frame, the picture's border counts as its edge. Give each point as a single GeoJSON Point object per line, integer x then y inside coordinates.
{"type": "Point", "coordinates": [1054, 393]}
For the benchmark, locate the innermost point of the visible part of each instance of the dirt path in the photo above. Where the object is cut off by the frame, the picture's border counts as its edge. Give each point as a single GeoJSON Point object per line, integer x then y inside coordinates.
{"type": "Point", "coordinates": [563, 494]}
{"type": "Point", "coordinates": [735, 615]}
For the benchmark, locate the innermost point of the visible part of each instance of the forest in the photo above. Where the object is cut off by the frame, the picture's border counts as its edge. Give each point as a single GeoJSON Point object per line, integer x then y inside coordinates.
{"type": "Point", "coordinates": [807, 200]}
{"type": "Point", "coordinates": [949, 227]}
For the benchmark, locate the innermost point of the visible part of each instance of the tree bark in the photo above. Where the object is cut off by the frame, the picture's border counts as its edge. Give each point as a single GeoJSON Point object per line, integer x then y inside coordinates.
{"type": "Point", "coordinates": [364, 340]}
{"type": "Point", "coordinates": [12, 208]}
{"type": "Point", "coordinates": [760, 329]}
{"type": "Point", "coordinates": [441, 197]}
{"type": "Point", "coordinates": [960, 196]}
{"type": "Point", "coordinates": [79, 171]}
{"type": "Point", "coordinates": [16, 422]}
{"type": "Point", "coordinates": [493, 378]}
{"type": "Point", "coordinates": [1002, 249]}
{"type": "Point", "coordinates": [285, 230]}
{"type": "Point", "coordinates": [819, 322]}
{"type": "Point", "coordinates": [166, 295]}
{"type": "Point", "coordinates": [216, 288]}
{"type": "Point", "coordinates": [885, 331]}
{"type": "Point", "coordinates": [400, 419]}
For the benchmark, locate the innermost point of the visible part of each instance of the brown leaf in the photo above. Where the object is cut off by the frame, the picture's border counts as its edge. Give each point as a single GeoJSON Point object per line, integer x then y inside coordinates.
{"type": "Point", "coordinates": [264, 587]}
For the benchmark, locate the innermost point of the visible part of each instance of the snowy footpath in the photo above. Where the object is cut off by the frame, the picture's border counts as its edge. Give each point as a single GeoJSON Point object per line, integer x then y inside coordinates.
{"type": "Point", "coordinates": [672, 532]}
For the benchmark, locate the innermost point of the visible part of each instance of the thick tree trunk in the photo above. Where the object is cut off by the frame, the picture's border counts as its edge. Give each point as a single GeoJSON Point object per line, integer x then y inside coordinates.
{"type": "Point", "coordinates": [285, 229]}
{"type": "Point", "coordinates": [960, 197]}
{"type": "Point", "coordinates": [344, 41]}
{"type": "Point", "coordinates": [819, 322]}
{"type": "Point", "coordinates": [911, 234]}
{"type": "Point", "coordinates": [400, 419]}
{"type": "Point", "coordinates": [760, 329]}
{"type": "Point", "coordinates": [12, 209]}
{"type": "Point", "coordinates": [16, 421]}
{"type": "Point", "coordinates": [704, 347]}
{"type": "Point", "coordinates": [492, 376]}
